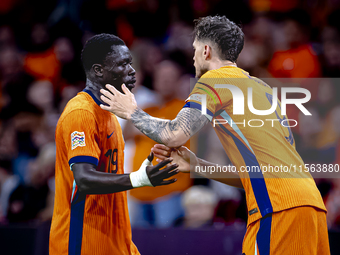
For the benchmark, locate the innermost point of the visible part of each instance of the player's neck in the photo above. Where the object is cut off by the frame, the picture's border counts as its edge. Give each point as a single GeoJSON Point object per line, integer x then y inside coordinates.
{"type": "Point", "coordinates": [216, 64]}
{"type": "Point", "coordinates": [94, 87]}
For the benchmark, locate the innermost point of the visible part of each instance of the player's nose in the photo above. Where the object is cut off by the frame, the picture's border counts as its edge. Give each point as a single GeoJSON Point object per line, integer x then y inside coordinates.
{"type": "Point", "coordinates": [132, 71]}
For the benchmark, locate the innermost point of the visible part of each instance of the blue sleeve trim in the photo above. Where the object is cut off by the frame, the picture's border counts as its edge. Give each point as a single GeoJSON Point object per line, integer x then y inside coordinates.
{"type": "Point", "coordinates": [83, 159]}
{"type": "Point", "coordinates": [197, 106]}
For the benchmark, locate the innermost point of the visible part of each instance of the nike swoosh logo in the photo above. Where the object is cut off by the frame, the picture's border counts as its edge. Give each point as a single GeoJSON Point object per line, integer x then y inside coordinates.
{"type": "Point", "coordinates": [108, 136]}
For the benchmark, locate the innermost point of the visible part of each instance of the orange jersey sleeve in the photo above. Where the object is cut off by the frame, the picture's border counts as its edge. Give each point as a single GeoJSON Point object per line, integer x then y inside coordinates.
{"type": "Point", "coordinates": [206, 95]}
{"type": "Point", "coordinates": [80, 135]}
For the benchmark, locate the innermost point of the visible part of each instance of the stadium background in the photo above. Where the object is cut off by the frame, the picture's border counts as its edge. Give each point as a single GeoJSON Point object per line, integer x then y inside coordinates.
{"type": "Point", "coordinates": [40, 70]}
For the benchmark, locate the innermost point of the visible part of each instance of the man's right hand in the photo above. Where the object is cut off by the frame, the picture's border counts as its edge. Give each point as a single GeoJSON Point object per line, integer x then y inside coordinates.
{"type": "Point", "coordinates": [157, 176]}
{"type": "Point", "coordinates": [182, 156]}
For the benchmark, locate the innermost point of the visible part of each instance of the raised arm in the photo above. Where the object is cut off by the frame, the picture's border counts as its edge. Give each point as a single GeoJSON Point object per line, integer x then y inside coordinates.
{"type": "Point", "coordinates": [172, 133]}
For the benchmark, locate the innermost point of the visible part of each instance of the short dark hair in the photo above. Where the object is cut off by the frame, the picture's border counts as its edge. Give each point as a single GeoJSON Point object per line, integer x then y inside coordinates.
{"type": "Point", "coordinates": [97, 48]}
{"type": "Point", "coordinates": [227, 36]}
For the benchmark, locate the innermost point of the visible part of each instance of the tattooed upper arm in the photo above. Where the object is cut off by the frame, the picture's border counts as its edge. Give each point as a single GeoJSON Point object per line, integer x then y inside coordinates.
{"type": "Point", "coordinates": [172, 133]}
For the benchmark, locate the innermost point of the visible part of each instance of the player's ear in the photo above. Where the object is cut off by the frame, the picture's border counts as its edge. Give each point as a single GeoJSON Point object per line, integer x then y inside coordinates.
{"type": "Point", "coordinates": [207, 52]}
{"type": "Point", "coordinates": [97, 69]}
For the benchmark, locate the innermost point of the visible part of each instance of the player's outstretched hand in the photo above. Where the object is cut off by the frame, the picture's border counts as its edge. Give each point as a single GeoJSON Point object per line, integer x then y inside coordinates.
{"type": "Point", "coordinates": [158, 176]}
{"type": "Point", "coordinates": [122, 105]}
{"type": "Point", "coordinates": [182, 156]}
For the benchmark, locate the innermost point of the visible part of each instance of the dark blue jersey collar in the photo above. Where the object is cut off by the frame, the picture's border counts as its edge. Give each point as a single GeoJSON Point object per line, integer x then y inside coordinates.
{"type": "Point", "coordinates": [93, 97]}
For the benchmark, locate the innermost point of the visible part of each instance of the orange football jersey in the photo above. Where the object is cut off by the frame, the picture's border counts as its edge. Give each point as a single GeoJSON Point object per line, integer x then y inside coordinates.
{"type": "Point", "coordinates": [262, 143]}
{"type": "Point", "coordinates": [93, 224]}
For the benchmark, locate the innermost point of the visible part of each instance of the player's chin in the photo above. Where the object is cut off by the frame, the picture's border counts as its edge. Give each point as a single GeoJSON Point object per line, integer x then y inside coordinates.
{"type": "Point", "coordinates": [130, 85]}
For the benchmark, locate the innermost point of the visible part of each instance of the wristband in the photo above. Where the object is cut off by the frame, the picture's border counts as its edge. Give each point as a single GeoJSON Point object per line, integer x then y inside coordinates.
{"type": "Point", "coordinates": [140, 177]}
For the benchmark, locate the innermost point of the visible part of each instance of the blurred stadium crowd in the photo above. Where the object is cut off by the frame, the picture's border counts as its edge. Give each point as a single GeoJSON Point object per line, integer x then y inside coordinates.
{"type": "Point", "coordinates": [40, 70]}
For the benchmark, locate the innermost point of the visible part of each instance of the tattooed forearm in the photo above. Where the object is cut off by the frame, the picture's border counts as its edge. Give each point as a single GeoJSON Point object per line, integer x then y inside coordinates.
{"type": "Point", "coordinates": [150, 126]}
{"type": "Point", "coordinates": [170, 132]}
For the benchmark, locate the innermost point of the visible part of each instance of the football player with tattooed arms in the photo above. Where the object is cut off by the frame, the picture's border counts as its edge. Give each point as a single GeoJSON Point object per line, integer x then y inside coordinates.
{"type": "Point", "coordinates": [286, 214]}
{"type": "Point", "coordinates": [90, 212]}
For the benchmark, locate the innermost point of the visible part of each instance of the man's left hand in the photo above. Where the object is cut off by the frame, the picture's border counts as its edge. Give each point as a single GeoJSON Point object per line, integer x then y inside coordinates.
{"type": "Point", "coordinates": [122, 105]}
